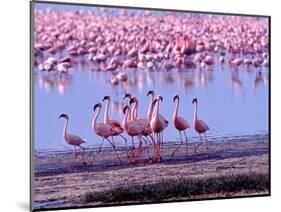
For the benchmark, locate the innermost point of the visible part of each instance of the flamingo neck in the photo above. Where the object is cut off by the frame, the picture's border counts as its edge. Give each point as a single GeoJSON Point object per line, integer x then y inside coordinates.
{"type": "Point", "coordinates": [136, 108]}
{"type": "Point", "coordinates": [156, 112]}
{"type": "Point", "coordinates": [195, 112]}
{"type": "Point", "coordinates": [65, 129]}
{"type": "Point", "coordinates": [176, 109]}
{"type": "Point", "coordinates": [150, 108]}
{"type": "Point", "coordinates": [125, 120]}
{"type": "Point", "coordinates": [106, 116]}
{"type": "Point", "coordinates": [94, 122]}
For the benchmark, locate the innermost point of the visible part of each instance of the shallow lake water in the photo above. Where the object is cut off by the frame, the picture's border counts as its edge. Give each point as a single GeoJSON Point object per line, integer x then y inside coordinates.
{"type": "Point", "coordinates": [231, 102]}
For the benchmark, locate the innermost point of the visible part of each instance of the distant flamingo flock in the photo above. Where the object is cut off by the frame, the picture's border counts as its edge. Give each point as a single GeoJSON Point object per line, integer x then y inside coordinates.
{"type": "Point", "coordinates": [117, 41]}
{"type": "Point", "coordinates": [147, 130]}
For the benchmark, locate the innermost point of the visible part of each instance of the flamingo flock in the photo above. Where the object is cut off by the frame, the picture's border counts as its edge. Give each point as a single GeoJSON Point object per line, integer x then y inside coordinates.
{"type": "Point", "coordinates": [123, 41]}
{"type": "Point", "coordinates": [109, 42]}
{"type": "Point", "coordinates": [148, 131]}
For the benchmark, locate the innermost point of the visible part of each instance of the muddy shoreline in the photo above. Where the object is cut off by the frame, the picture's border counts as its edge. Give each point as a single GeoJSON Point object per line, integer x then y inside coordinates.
{"type": "Point", "coordinates": [57, 186]}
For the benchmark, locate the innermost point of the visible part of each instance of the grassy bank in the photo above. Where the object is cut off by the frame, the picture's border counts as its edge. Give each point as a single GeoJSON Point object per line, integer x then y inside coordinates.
{"type": "Point", "coordinates": [181, 188]}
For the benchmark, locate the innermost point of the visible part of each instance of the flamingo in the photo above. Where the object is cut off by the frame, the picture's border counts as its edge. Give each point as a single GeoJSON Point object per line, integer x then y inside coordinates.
{"type": "Point", "coordinates": [103, 130]}
{"type": "Point", "coordinates": [157, 123]}
{"type": "Point", "coordinates": [113, 123]}
{"type": "Point", "coordinates": [180, 124]}
{"type": "Point", "coordinates": [151, 111]}
{"type": "Point", "coordinates": [142, 121]}
{"type": "Point", "coordinates": [200, 126]}
{"type": "Point", "coordinates": [132, 127]}
{"type": "Point", "coordinates": [73, 140]}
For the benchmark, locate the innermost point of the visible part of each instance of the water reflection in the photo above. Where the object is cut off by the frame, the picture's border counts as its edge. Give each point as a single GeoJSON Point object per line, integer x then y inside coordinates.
{"type": "Point", "coordinates": [78, 90]}
{"type": "Point", "coordinates": [54, 82]}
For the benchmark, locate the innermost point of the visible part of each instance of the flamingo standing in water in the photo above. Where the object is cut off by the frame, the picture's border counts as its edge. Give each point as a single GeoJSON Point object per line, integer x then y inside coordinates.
{"type": "Point", "coordinates": [73, 140]}
{"type": "Point", "coordinates": [103, 130]}
{"type": "Point", "coordinates": [157, 123]}
{"type": "Point", "coordinates": [200, 126]}
{"type": "Point", "coordinates": [181, 124]}
{"type": "Point", "coordinates": [113, 123]}
{"type": "Point", "coordinates": [132, 127]}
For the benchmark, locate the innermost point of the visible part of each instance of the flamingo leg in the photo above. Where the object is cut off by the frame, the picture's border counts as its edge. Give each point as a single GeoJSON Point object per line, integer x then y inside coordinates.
{"type": "Point", "coordinates": [147, 145]}
{"type": "Point", "coordinates": [75, 156]}
{"type": "Point", "coordinates": [162, 141]}
{"type": "Point", "coordinates": [132, 154]}
{"type": "Point", "coordinates": [207, 146]}
{"type": "Point", "coordinates": [196, 146]}
{"type": "Point", "coordinates": [126, 142]}
{"type": "Point", "coordinates": [83, 149]}
{"type": "Point", "coordinates": [177, 148]}
{"type": "Point", "coordinates": [113, 146]}
{"type": "Point", "coordinates": [186, 144]}
{"type": "Point", "coordinates": [95, 155]}
{"type": "Point", "coordinates": [140, 147]}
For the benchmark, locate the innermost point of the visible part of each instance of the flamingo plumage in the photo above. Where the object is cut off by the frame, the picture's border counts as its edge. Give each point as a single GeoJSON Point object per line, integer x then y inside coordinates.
{"type": "Point", "coordinates": [71, 139]}
{"type": "Point", "coordinates": [103, 130]}
{"type": "Point", "coordinates": [158, 123]}
{"type": "Point", "coordinates": [113, 123]}
{"type": "Point", "coordinates": [200, 126]}
{"type": "Point", "coordinates": [132, 128]}
{"type": "Point", "coordinates": [180, 124]}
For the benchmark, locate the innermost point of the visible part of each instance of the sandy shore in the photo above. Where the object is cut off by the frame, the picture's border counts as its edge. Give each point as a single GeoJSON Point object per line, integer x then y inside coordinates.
{"type": "Point", "coordinates": [58, 186]}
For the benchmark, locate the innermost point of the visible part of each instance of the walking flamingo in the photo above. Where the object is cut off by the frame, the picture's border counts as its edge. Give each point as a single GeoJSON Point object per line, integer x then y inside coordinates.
{"type": "Point", "coordinates": [103, 130]}
{"type": "Point", "coordinates": [180, 124]}
{"type": "Point", "coordinates": [200, 126]}
{"type": "Point", "coordinates": [142, 121]}
{"type": "Point", "coordinates": [151, 111]}
{"type": "Point", "coordinates": [157, 123]}
{"type": "Point", "coordinates": [73, 140]}
{"type": "Point", "coordinates": [113, 123]}
{"type": "Point", "coordinates": [132, 127]}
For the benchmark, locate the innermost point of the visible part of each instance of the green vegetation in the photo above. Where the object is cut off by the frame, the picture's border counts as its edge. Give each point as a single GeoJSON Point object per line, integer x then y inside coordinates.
{"type": "Point", "coordinates": [179, 188]}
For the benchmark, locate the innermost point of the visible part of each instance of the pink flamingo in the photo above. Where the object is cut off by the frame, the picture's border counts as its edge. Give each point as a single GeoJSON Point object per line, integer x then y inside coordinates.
{"type": "Point", "coordinates": [180, 124]}
{"type": "Point", "coordinates": [151, 112]}
{"type": "Point", "coordinates": [103, 130]}
{"type": "Point", "coordinates": [113, 123]}
{"type": "Point", "coordinates": [158, 124]}
{"type": "Point", "coordinates": [132, 128]}
{"type": "Point", "coordinates": [142, 121]}
{"type": "Point", "coordinates": [73, 140]}
{"type": "Point", "coordinates": [200, 126]}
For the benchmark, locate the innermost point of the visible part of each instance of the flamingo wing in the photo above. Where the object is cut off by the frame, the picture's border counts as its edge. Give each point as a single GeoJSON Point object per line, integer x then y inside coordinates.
{"type": "Point", "coordinates": [104, 130]}
{"type": "Point", "coordinates": [135, 129]}
{"type": "Point", "coordinates": [115, 124]}
{"type": "Point", "coordinates": [75, 140]}
{"type": "Point", "coordinates": [202, 126]}
{"type": "Point", "coordinates": [143, 122]}
{"type": "Point", "coordinates": [181, 123]}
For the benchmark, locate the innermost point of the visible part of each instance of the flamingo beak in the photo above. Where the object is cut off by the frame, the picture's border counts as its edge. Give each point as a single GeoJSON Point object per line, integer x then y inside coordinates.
{"type": "Point", "coordinates": [132, 101]}
{"type": "Point", "coordinates": [127, 95]}
{"type": "Point", "coordinates": [194, 100]}
{"type": "Point", "coordinates": [175, 97]}
{"type": "Point", "coordinates": [161, 98]}
{"type": "Point", "coordinates": [150, 92]}
{"type": "Point", "coordinates": [125, 108]}
{"type": "Point", "coordinates": [96, 106]}
{"type": "Point", "coordinates": [105, 98]}
{"type": "Point", "coordinates": [63, 116]}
